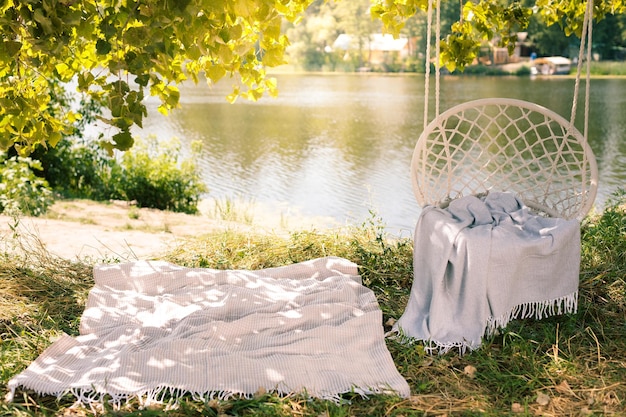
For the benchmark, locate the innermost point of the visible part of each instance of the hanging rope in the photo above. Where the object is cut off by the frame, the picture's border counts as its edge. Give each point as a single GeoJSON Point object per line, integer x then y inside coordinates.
{"type": "Point", "coordinates": [429, 24]}
{"type": "Point", "coordinates": [437, 57]}
{"type": "Point", "coordinates": [585, 42]}
{"type": "Point", "coordinates": [429, 20]}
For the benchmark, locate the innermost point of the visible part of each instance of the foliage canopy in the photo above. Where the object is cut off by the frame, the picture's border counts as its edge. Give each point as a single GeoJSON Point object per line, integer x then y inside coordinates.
{"type": "Point", "coordinates": [118, 52]}
{"type": "Point", "coordinates": [492, 20]}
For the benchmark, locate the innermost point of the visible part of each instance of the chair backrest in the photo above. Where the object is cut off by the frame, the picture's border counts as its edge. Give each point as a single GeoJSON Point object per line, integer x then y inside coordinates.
{"type": "Point", "coordinates": [501, 144]}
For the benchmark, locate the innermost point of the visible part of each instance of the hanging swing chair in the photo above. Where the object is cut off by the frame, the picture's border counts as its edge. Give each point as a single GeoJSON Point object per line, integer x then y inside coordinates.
{"type": "Point", "coordinates": [509, 145]}
{"type": "Point", "coordinates": [506, 144]}
{"type": "Point", "coordinates": [503, 184]}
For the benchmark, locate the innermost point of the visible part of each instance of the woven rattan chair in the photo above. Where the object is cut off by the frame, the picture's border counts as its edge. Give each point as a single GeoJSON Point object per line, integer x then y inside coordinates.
{"type": "Point", "coordinates": [475, 268]}
{"type": "Point", "coordinates": [500, 144]}
{"type": "Point", "coordinates": [503, 144]}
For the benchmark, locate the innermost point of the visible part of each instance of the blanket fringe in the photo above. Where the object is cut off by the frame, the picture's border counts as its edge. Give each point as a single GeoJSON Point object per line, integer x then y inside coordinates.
{"type": "Point", "coordinates": [170, 396]}
{"type": "Point", "coordinates": [567, 304]}
{"type": "Point", "coordinates": [430, 346]}
{"type": "Point", "coordinates": [538, 310]}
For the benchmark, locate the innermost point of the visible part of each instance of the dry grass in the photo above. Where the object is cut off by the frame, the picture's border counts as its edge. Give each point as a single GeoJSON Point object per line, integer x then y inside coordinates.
{"type": "Point", "coordinates": [571, 365]}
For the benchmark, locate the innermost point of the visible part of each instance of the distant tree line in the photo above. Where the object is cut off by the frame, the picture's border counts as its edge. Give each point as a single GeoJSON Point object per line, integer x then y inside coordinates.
{"type": "Point", "coordinates": [312, 39]}
{"type": "Point", "coordinates": [119, 53]}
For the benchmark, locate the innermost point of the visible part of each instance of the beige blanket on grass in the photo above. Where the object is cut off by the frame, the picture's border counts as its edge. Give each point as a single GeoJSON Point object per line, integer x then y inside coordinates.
{"type": "Point", "coordinates": [154, 330]}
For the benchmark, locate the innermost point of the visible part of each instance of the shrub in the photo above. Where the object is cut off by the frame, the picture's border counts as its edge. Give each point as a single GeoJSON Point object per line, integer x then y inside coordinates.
{"type": "Point", "coordinates": [482, 70]}
{"type": "Point", "coordinates": [150, 174]}
{"type": "Point", "coordinates": [79, 169]}
{"type": "Point", "coordinates": [21, 191]}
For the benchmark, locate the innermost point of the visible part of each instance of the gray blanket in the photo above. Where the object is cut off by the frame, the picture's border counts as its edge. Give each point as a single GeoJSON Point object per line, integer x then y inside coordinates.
{"type": "Point", "coordinates": [484, 261]}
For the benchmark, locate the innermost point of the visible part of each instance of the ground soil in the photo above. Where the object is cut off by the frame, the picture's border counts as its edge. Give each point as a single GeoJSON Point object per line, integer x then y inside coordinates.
{"type": "Point", "coordinates": [83, 229]}
{"type": "Point", "coordinates": [86, 229]}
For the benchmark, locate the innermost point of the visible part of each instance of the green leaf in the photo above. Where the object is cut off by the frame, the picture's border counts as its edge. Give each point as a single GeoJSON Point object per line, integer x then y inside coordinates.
{"type": "Point", "coordinates": [123, 140]}
{"type": "Point", "coordinates": [72, 18]}
{"type": "Point", "coordinates": [44, 22]}
{"type": "Point", "coordinates": [116, 105]}
{"type": "Point", "coordinates": [243, 8]}
{"type": "Point", "coordinates": [163, 109]}
{"type": "Point", "coordinates": [225, 54]}
{"type": "Point", "coordinates": [85, 79]}
{"type": "Point", "coordinates": [54, 138]}
{"type": "Point", "coordinates": [143, 79]}
{"type": "Point", "coordinates": [119, 87]}
{"type": "Point", "coordinates": [108, 147]}
{"type": "Point", "coordinates": [12, 47]}
{"type": "Point", "coordinates": [216, 72]}
{"type": "Point", "coordinates": [194, 52]}
{"type": "Point", "coordinates": [64, 71]}
{"type": "Point", "coordinates": [103, 47]}
{"type": "Point", "coordinates": [173, 96]}
{"type": "Point", "coordinates": [123, 123]}
{"type": "Point", "coordinates": [273, 57]}
{"type": "Point", "coordinates": [232, 97]}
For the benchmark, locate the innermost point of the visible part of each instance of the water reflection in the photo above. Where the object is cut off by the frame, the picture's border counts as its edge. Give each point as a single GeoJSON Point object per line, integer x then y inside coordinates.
{"type": "Point", "coordinates": [340, 145]}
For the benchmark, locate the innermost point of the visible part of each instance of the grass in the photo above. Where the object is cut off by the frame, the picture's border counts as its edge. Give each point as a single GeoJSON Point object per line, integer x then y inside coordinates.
{"type": "Point", "coordinates": [560, 366]}
{"type": "Point", "coordinates": [235, 211]}
{"type": "Point", "coordinates": [612, 68]}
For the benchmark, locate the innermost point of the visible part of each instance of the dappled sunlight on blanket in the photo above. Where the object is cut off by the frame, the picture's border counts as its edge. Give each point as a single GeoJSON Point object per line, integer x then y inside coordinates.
{"type": "Point", "coordinates": [151, 327]}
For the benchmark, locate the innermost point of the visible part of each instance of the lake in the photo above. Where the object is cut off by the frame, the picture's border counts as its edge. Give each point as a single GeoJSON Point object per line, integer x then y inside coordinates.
{"type": "Point", "coordinates": [340, 145]}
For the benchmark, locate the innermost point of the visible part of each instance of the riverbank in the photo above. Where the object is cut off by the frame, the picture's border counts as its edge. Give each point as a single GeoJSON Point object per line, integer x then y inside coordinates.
{"type": "Point", "coordinates": [101, 231]}
{"type": "Point", "coordinates": [615, 69]}
{"type": "Point", "coordinates": [566, 365]}
{"type": "Point", "coordinates": [598, 69]}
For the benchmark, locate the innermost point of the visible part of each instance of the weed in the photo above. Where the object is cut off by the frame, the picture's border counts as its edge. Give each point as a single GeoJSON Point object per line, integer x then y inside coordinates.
{"type": "Point", "coordinates": [133, 213]}
{"type": "Point", "coordinates": [21, 191]}
{"type": "Point", "coordinates": [235, 211]}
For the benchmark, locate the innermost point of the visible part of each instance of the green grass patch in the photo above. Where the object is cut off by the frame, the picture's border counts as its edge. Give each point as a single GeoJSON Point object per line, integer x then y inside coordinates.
{"type": "Point", "coordinates": [612, 68]}
{"type": "Point", "coordinates": [563, 365]}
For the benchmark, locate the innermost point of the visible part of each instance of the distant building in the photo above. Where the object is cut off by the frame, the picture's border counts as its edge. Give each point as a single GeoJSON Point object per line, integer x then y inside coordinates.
{"type": "Point", "coordinates": [377, 48]}
{"type": "Point", "coordinates": [494, 55]}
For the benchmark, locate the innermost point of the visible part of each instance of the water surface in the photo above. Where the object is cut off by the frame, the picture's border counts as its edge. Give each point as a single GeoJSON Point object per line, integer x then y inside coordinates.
{"type": "Point", "coordinates": [340, 145]}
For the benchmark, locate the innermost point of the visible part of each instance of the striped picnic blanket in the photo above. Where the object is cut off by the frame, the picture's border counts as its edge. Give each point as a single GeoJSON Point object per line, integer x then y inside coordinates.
{"type": "Point", "coordinates": [153, 330]}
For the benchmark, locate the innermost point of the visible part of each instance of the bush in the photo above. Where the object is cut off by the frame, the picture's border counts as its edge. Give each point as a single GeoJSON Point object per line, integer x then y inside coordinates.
{"type": "Point", "coordinates": [151, 175]}
{"type": "Point", "coordinates": [482, 70]}
{"type": "Point", "coordinates": [21, 191]}
{"type": "Point", "coordinates": [78, 169]}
